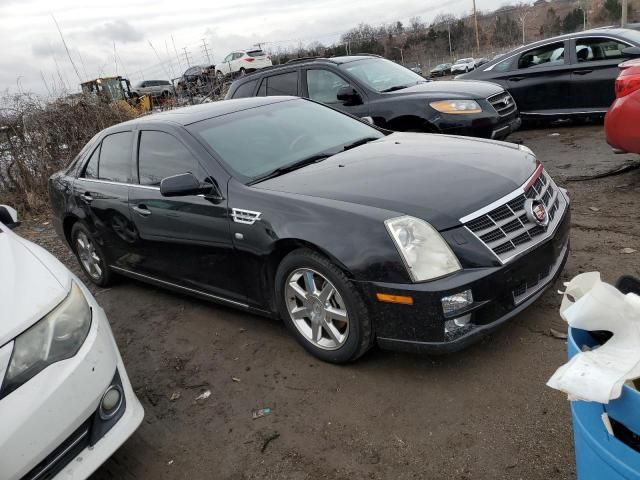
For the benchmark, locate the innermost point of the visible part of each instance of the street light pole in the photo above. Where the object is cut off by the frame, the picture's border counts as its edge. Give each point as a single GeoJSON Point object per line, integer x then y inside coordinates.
{"type": "Point", "coordinates": [450, 50]}
{"type": "Point", "coordinates": [623, 21]}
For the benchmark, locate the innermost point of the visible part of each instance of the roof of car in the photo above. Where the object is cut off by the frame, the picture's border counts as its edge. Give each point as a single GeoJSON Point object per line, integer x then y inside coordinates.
{"type": "Point", "coordinates": [196, 113]}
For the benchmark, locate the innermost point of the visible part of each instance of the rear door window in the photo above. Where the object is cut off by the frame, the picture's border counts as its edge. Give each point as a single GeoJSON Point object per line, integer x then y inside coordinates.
{"type": "Point", "coordinates": [545, 56]}
{"type": "Point", "coordinates": [283, 84]}
{"type": "Point", "coordinates": [161, 155]}
{"type": "Point", "coordinates": [594, 49]}
{"type": "Point", "coordinates": [245, 90]}
{"type": "Point", "coordinates": [115, 158]}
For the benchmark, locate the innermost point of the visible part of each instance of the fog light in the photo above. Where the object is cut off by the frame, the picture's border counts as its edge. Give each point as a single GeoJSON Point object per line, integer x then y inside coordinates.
{"type": "Point", "coordinates": [451, 326]}
{"type": "Point", "coordinates": [457, 302]}
{"type": "Point", "coordinates": [111, 402]}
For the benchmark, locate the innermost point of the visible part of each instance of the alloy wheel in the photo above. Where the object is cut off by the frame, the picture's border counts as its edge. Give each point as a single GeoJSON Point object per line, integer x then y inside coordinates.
{"type": "Point", "coordinates": [88, 255]}
{"type": "Point", "coordinates": [317, 309]}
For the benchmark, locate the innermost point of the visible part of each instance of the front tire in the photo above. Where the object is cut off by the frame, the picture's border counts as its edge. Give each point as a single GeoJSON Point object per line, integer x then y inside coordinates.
{"type": "Point", "coordinates": [322, 309]}
{"type": "Point", "coordinates": [90, 255]}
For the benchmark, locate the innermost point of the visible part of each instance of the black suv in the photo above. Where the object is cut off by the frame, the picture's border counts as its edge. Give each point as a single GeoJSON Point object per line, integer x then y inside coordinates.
{"type": "Point", "coordinates": [389, 95]}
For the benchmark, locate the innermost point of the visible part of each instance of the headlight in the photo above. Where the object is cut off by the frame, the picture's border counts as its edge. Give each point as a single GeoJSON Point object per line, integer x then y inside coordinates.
{"type": "Point", "coordinates": [59, 335]}
{"type": "Point", "coordinates": [424, 251]}
{"type": "Point", "coordinates": [456, 106]}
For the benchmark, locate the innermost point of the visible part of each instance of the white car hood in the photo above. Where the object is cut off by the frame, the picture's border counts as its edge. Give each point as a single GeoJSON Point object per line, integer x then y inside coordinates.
{"type": "Point", "coordinates": [32, 283]}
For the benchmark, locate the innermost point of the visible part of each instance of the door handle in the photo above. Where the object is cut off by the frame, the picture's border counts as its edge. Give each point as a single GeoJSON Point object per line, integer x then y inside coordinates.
{"type": "Point", "coordinates": [581, 72]}
{"type": "Point", "coordinates": [142, 210]}
{"type": "Point", "coordinates": [86, 197]}
{"type": "Point", "coordinates": [516, 79]}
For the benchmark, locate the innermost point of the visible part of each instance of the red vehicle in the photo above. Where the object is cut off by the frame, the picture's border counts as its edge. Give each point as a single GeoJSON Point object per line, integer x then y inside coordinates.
{"type": "Point", "coordinates": [622, 122]}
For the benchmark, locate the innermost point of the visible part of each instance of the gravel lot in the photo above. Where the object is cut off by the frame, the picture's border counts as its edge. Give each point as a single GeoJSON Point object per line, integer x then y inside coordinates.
{"type": "Point", "coordinates": [484, 413]}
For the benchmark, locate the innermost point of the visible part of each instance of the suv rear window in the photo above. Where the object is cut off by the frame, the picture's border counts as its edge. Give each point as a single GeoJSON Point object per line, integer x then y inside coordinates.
{"type": "Point", "coordinates": [245, 90]}
{"type": "Point", "coordinates": [256, 53]}
{"type": "Point", "coordinates": [283, 84]}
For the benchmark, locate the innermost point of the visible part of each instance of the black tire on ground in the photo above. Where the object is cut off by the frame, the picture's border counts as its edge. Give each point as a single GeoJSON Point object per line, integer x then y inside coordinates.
{"type": "Point", "coordinates": [242, 72]}
{"type": "Point", "coordinates": [360, 337]}
{"type": "Point", "coordinates": [106, 276]}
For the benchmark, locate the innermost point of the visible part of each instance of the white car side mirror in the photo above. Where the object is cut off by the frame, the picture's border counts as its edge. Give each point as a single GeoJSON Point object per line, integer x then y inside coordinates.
{"type": "Point", "coordinates": [9, 216]}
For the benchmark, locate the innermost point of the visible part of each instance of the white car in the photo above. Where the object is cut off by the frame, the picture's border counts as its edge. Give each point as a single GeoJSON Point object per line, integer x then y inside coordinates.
{"type": "Point", "coordinates": [66, 403]}
{"type": "Point", "coordinates": [463, 65]}
{"type": "Point", "coordinates": [241, 62]}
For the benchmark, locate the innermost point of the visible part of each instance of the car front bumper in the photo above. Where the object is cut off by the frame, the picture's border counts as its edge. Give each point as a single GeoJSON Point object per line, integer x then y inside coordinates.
{"type": "Point", "coordinates": [483, 125]}
{"type": "Point", "coordinates": [421, 327]}
{"type": "Point", "coordinates": [50, 426]}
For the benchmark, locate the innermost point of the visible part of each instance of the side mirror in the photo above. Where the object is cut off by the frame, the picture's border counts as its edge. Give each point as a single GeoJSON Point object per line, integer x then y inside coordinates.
{"type": "Point", "coordinates": [631, 52]}
{"type": "Point", "coordinates": [9, 216]}
{"type": "Point", "coordinates": [183, 184]}
{"type": "Point", "coordinates": [348, 96]}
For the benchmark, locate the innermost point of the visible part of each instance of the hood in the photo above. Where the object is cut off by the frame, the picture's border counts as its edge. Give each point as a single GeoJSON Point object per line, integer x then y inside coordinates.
{"type": "Point", "coordinates": [438, 178]}
{"type": "Point", "coordinates": [467, 89]}
{"type": "Point", "coordinates": [28, 289]}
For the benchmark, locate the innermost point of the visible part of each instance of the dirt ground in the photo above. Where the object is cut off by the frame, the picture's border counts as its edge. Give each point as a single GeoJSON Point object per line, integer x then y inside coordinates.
{"type": "Point", "coordinates": [484, 413]}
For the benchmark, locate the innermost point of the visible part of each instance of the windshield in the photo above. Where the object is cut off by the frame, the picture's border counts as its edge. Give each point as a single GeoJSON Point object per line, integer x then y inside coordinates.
{"type": "Point", "coordinates": [628, 34]}
{"type": "Point", "coordinates": [256, 141]}
{"type": "Point", "coordinates": [380, 74]}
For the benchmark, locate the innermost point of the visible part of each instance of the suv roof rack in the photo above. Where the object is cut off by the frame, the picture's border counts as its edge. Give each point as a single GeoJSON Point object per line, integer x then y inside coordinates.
{"type": "Point", "coordinates": [305, 59]}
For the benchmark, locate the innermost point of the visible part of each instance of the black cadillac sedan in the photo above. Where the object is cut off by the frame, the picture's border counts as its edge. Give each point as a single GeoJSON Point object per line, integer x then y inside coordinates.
{"type": "Point", "coordinates": [351, 234]}
{"type": "Point", "coordinates": [567, 76]}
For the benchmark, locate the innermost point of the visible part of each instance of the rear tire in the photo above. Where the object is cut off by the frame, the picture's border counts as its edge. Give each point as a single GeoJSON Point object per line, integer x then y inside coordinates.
{"type": "Point", "coordinates": [242, 72]}
{"type": "Point", "coordinates": [90, 255]}
{"type": "Point", "coordinates": [331, 320]}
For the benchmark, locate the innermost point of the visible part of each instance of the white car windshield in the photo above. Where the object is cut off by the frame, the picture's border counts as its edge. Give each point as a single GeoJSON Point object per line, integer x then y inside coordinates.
{"type": "Point", "coordinates": [464, 60]}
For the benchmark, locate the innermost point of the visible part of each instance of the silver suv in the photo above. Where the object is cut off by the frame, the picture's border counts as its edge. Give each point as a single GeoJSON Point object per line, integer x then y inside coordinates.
{"type": "Point", "coordinates": [153, 88]}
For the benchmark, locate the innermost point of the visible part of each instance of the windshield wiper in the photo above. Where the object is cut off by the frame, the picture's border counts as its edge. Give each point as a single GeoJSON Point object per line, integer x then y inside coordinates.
{"type": "Point", "coordinates": [396, 87]}
{"type": "Point", "coordinates": [357, 143]}
{"type": "Point", "coordinates": [291, 167]}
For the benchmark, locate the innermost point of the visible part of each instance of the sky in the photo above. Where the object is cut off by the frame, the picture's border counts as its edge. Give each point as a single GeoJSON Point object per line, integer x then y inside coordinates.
{"type": "Point", "coordinates": [137, 37]}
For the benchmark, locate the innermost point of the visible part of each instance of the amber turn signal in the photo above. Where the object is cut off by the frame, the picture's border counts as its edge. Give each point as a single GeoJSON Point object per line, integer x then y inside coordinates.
{"type": "Point", "coordinates": [385, 297]}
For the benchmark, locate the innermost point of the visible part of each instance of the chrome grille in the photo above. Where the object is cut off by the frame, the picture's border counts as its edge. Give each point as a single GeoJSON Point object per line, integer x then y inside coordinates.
{"type": "Point", "coordinates": [507, 231]}
{"type": "Point", "coordinates": [503, 103]}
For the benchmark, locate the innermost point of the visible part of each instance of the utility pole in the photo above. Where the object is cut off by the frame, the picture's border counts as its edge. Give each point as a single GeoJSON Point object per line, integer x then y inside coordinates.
{"type": "Point", "coordinates": [475, 20]}
{"type": "Point", "coordinates": [401, 54]}
{"type": "Point", "coordinates": [450, 49]}
{"type": "Point", "coordinates": [623, 20]}
{"type": "Point", "coordinates": [186, 56]}
{"type": "Point", "coordinates": [523, 17]}
{"type": "Point", "coordinates": [67, 48]}
{"type": "Point", "coordinates": [115, 57]}
{"type": "Point", "coordinates": [206, 51]}
{"type": "Point", "coordinates": [259, 44]}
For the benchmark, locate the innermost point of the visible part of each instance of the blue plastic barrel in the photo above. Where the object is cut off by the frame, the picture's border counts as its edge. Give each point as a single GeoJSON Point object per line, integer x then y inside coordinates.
{"type": "Point", "coordinates": [599, 455]}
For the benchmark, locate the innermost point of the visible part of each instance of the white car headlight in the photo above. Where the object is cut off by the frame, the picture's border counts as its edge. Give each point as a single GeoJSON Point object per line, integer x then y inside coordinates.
{"type": "Point", "coordinates": [456, 106]}
{"type": "Point", "coordinates": [424, 251]}
{"type": "Point", "coordinates": [57, 336]}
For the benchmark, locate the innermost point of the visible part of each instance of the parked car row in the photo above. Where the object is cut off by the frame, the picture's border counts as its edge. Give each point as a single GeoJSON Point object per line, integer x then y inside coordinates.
{"type": "Point", "coordinates": [567, 76]}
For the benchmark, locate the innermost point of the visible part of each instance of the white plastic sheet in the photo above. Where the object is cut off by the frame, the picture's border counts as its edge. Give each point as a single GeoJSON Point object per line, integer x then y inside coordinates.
{"type": "Point", "coordinates": [598, 375]}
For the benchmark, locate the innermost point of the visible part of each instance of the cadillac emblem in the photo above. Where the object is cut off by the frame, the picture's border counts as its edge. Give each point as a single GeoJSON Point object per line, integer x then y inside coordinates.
{"type": "Point", "coordinates": [536, 212]}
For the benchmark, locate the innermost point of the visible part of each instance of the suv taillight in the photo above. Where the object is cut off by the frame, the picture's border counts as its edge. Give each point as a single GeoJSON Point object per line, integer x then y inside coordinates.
{"type": "Point", "coordinates": [629, 79]}
{"type": "Point", "coordinates": [249, 59]}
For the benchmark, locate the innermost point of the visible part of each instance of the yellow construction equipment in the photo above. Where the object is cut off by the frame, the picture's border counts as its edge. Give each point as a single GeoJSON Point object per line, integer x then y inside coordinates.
{"type": "Point", "coordinates": [116, 90]}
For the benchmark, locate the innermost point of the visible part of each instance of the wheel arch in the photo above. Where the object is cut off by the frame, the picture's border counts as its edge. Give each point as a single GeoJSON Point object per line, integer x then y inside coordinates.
{"type": "Point", "coordinates": [67, 225]}
{"type": "Point", "coordinates": [406, 123]}
{"type": "Point", "coordinates": [280, 250]}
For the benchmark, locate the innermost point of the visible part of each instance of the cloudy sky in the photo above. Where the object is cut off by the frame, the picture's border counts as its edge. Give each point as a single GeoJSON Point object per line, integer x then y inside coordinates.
{"type": "Point", "coordinates": [145, 31]}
